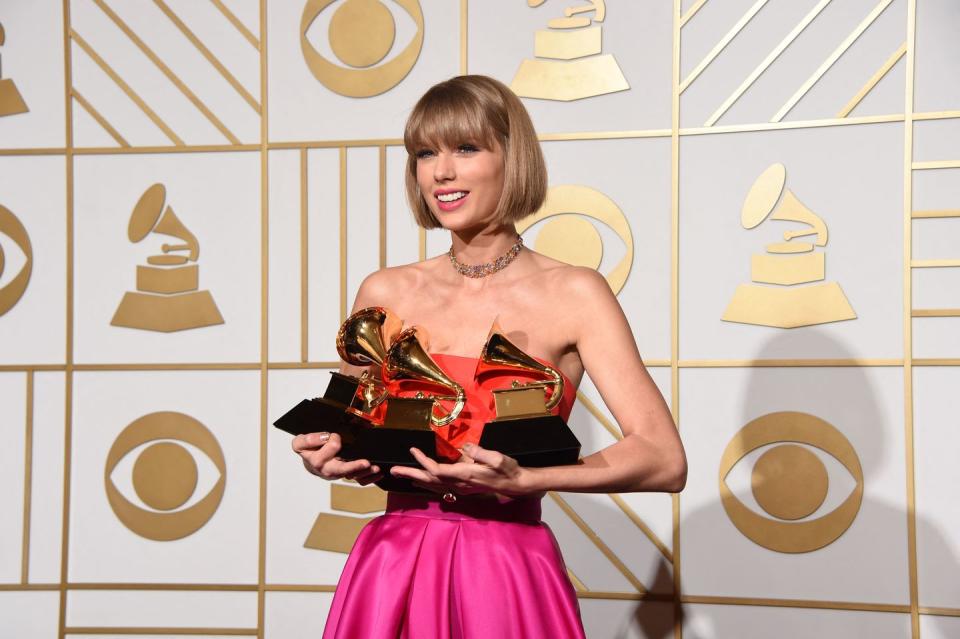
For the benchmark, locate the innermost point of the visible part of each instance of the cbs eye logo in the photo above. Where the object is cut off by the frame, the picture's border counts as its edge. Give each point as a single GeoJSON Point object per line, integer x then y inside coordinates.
{"type": "Point", "coordinates": [790, 482]}
{"type": "Point", "coordinates": [12, 291]}
{"type": "Point", "coordinates": [164, 476]}
{"type": "Point", "coordinates": [568, 236]}
{"type": "Point", "coordinates": [361, 33]}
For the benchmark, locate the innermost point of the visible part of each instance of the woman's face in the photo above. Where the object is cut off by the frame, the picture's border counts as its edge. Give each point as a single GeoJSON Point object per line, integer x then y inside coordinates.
{"type": "Point", "coordinates": [461, 185]}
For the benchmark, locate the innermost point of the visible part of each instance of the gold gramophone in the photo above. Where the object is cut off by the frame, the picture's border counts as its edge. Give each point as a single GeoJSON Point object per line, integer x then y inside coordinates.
{"type": "Point", "coordinates": [349, 403]}
{"type": "Point", "coordinates": [166, 298]}
{"type": "Point", "coordinates": [525, 428]}
{"type": "Point", "coordinates": [408, 360]}
{"type": "Point", "coordinates": [789, 290]}
{"type": "Point", "coordinates": [520, 399]}
{"type": "Point", "coordinates": [11, 102]}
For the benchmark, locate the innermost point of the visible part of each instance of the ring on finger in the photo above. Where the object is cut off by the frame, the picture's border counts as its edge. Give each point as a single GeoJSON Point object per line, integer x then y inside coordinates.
{"type": "Point", "coordinates": [450, 498]}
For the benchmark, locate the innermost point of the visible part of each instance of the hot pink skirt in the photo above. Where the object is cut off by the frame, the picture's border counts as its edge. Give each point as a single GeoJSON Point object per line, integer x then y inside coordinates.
{"type": "Point", "coordinates": [474, 569]}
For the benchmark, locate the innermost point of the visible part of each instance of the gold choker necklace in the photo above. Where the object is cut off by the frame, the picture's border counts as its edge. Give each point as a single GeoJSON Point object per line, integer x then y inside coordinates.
{"type": "Point", "coordinates": [488, 268]}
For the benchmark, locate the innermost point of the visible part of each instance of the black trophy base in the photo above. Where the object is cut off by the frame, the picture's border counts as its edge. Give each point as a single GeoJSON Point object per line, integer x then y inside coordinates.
{"type": "Point", "coordinates": [323, 415]}
{"type": "Point", "coordinates": [538, 441]}
{"type": "Point", "coordinates": [389, 447]}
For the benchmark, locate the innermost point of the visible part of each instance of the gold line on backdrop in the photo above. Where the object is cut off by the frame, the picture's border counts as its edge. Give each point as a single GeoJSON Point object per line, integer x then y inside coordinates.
{"type": "Point", "coordinates": [677, 23]}
{"type": "Point", "coordinates": [102, 121]}
{"type": "Point", "coordinates": [872, 82]}
{"type": "Point", "coordinates": [242, 28]}
{"type": "Point", "coordinates": [304, 260]}
{"type": "Point", "coordinates": [27, 483]}
{"type": "Point", "coordinates": [264, 322]}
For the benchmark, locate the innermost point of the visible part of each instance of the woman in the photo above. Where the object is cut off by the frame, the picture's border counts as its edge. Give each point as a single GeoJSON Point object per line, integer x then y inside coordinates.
{"type": "Point", "coordinates": [478, 562]}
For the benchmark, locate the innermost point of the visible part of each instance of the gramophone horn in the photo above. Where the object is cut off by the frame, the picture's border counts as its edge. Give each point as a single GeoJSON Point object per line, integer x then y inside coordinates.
{"type": "Point", "coordinates": [499, 353]}
{"type": "Point", "coordinates": [408, 359]}
{"type": "Point", "coordinates": [364, 337]}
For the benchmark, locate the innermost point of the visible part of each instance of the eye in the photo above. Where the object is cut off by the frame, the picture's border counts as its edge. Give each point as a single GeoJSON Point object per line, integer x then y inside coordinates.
{"type": "Point", "coordinates": [157, 461]}
{"type": "Point", "coordinates": [425, 153]}
{"type": "Point", "coordinates": [467, 148]}
{"type": "Point", "coordinates": [565, 230]}
{"type": "Point", "coordinates": [16, 259]}
{"type": "Point", "coordinates": [361, 34]}
{"type": "Point", "coordinates": [793, 480]}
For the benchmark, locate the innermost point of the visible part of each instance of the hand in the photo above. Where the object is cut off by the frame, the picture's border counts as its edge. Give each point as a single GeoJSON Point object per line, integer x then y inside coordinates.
{"type": "Point", "coordinates": [319, 454]}
{"type": "Point", "coordinates": [478, 471]}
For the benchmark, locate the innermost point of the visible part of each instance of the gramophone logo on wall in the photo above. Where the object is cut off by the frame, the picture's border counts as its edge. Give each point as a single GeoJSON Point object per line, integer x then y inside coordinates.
{"type": "Point", "coordinates": [570, 238]}
{"type": "Point", "coordinates": [777, 298]}
{"type": "Point", "coordinates": [12, 291]}
{"type": "Point", "coordinates": [164, 475]}
{"type": "Point", "coordinates": [11, 102]}
{"type": "Point", "coordinates": [334, 532]}
{"type": "Point", "coordinates": [167, 298]}
{"type": "Point", "coordinates": [790, 482]}
{"type": "Point", "coordinates": [568, 63]}
{"type": "Point", "coordinates": [361, 34]}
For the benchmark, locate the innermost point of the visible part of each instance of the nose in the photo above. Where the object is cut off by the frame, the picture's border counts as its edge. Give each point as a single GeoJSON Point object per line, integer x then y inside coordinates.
{"type": "Point", "coordinates": [443, 169]}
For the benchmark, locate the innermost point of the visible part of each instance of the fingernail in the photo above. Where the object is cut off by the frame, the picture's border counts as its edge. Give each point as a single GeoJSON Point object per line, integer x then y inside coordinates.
{"type": "Point", "coordinates": [324, 437]}
{"type": "Point", "coordinates": [375, 469]}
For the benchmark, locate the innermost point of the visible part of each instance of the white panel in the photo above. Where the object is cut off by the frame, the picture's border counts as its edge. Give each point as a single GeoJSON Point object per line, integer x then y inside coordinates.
{"type": "Point", "coordinates": [637, 35]}
{"type": "Point", "coordinates": [402, 236]}
{"type": "Point", "coordinates": [33, 330]}
{"type": "Point", "coordinates": [936, 140]}
{"type": "Point", "coordinates": [363, 217]}
{"type": "Point", "coordinates": [936, 337]}
{"type": "Point", "coordinates": [217, 197]}
{"type": "Point", "coordinates": [749, 622]}
{"type": "Point", "coordinates": [284, 287]}
{"type": "Point", "coordinates": [936, 189]}
{"type": "Point", "coordinates": [289, 614]}
{"type": "Point", "coordinates": [936, 238]}
{"type": "Point", "coordinates": [143, 76]}
{"type": "Point", "coordinates": [32, 57]}
{"type": "Point", "coordinates": [580, 554]}
{"type": "Point", "coordinates": [934, 627]}
{"type": "Point", "coordinates": [868, 562]}
{"type": "Point", "coordinates": [294, 496]}
{"type": "Point", "coordinates": [627, 619]}
{"type": "Point", "coordinates": [30, 615]}
{"type": "Point", "coordinates": [302, 108]}
{"type": "Point", "coordinates": [248, 12]}
{"type": "Point", "coordinates": [323, 261]}
{"type": "Point", "coordinates": [165, 609]}
{"type": "Point", "coordinates": [13, 425]}
{"type": "Point", "coordinates": [87, 132]}
{"type": "Point", "coordinates": [186, 62]}
{"type": "Point", "coordinates": [635, 175]}
{"type": "Point", "coordinates": [46, 512]}
{"type": "Point", "coordinates": [852, 178]}
{"type": "Point", "coordinates": [438, 242]}
{"type": "Point", "coordinates": [102, 548]}
{"type": "Point", "coordinates": [938, 513]}
{"type": "Point", "coordinates": [936, 288]}
{"type": "Point", "coordinates": [937, 57]}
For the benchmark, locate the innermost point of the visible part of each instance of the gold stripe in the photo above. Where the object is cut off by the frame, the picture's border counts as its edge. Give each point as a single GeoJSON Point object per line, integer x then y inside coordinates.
{"type": "Point", "coordinates": [247, 366]}
{"type": "Point", "coordinates": [934, 263]}
{"type": "Point", "coordinates": [343, 233]}
{"type": "Point", "coordinates": [300, 588]}
{"type": "Point", "coordinates": [212, 59]}
{"type": "Point", "coordinates": [692, 11]}
{"type": "Point", "coordinates": [264, 327]}
{"type": "Point", "coordinates": [184, 89]}
{"type": "Point", "coordinates": [304, 257]}
{"type": "Point", "coordinates": [831, 59]}
{"type": "Point", "coordinates": [102, 121]}
{"type": "Point", "coordinates": [872, 82]}
{"type": "Point", "coordinates": [794, 603]}
{"type": "Point", "coordinates": [626, 596]}
{"type": "Point", "coordinates": [936, 361]}
{"type": "Point", "coordinates": [31, 367]}
{"type": "Point", "coordinates": [422, 243]}
{"type": "Point", "coordinates": [27, 483]}
{"type": "Point", "coordinates": [747, 363]}
{"type": "Point", "coordinates": [29, 587]}
{"type": "Point", "coordinates": [936, 115]}
{"type": "Point", "coordinates": [578, 585]}
{"type": "Point", "coordinates": [151, 150]}
{"type": "Point", "coordinates": [383, 206]}
{"type": "Point", "coordinates": [675, 300]}
{"type": "Point", "coordinates": [935, 312]}
{"type": "Point", "coordinates": [936, 213]}
{"type": "Point", "coordinates": [936, 164]}
{"type": "Point", "coordinates": [907, 322]}
{"type": "Point", "coordinates": [644, 528]}
{"type": "Point", "coordinates": [304, 365]}
{"type": "Point", "coordinates": [943, 612]}
{"type": "Point", "coordinates": [793, 124]}
{"type": "Point", "coordinates": [118, 630]}
{"type": "Point", "coordinates": [585, 528]}
{"type": "Point", "coordinates": [605, 135]}
{"type": "Point", "coordinates": [773, 55]}
{"type": "Point", "coordinates": [235, 21]}
{"type": "Point", "coordinates": [150, 113]}
{"type": "Point", "coordinates": [600, 417]}
{"type": "Point", "coordinates": [463, 37]}
{"type": "Point", "coordinates": [49, 151]}
{"type": "Point", "coordinates": [162, 586]}
{"type": "Point", "coordinates": [724, 41]}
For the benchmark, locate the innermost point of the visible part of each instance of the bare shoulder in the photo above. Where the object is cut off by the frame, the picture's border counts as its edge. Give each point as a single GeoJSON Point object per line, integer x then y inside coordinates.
{"type": "Point", "coordinates": [579, 283]}
{"type": "Point", "coordinates": [381, 288]}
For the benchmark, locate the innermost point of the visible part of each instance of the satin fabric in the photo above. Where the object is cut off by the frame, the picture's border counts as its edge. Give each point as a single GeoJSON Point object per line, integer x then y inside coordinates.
{"type": "Point", "coordinates": [481, 567]}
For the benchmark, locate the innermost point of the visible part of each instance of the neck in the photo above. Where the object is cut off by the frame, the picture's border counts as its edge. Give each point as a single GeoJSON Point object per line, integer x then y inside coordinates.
{"type": "Point", "coordinates": [477, 247]}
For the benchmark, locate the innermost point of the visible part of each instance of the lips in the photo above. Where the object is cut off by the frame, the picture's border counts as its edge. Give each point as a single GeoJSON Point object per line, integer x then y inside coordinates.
{"type": "Point", "coordinates": [450, 199]}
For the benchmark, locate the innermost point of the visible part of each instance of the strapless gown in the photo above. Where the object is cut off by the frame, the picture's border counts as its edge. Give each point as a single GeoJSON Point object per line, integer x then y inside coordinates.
{"type": "Point", "coordinates": [479, 568]}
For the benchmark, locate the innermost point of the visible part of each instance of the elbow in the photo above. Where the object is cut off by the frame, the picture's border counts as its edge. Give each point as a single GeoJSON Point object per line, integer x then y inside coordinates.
{"type": "Point", "coordinates": [676, 477]}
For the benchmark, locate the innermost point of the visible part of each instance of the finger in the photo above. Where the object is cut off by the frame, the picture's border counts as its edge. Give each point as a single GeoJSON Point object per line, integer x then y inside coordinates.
{"type": "Point", "coordinates": [491, 458]}
{"type": "Point", "coordinates": [369, 479]}
{"type": "Point", "coordinates": [415, 474]}
{"type": "Point", "coordinates": [309, 441]}
{"type": "Point", "coordinates": [428, 463]}
{"type": "Point", "coordinates": [337, 468]}
{"type": "Point", "coordinates": [372, 470]}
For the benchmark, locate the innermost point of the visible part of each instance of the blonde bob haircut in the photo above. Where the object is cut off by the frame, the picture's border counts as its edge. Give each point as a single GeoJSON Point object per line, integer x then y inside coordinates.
{"type": "Point", "coordinates": [476, 109]}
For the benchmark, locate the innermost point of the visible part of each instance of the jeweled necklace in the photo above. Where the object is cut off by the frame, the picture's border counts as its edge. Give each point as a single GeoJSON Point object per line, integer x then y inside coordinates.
{"type": "Point", "coordinates": [487, 268]}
